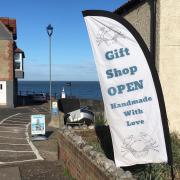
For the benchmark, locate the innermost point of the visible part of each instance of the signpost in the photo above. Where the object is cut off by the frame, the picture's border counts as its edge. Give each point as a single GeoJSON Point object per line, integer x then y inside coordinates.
{"type": "Point", "coordinates": [54, 108]}
{"type": "Point", "coordinates": [38, 127]}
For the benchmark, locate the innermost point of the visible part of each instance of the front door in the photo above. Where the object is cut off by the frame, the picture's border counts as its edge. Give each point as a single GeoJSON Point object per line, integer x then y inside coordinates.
{"type": "Point", "coordinates": [3, 93]}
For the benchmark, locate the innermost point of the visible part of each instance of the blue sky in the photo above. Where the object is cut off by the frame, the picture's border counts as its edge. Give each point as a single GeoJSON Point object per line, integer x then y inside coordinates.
{"type": "Point", "coordinates": [72, 58]}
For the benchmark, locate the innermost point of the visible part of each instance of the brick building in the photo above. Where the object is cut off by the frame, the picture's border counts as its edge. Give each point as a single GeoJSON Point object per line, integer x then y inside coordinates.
{"type": "Point", "coordinates": [158, 23]}
{"type": "Point", "coordinates": [11, 62]}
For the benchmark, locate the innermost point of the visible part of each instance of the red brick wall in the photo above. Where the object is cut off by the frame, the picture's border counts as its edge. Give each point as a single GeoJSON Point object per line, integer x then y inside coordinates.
{"type": "Point", "coordinates": [78, 164]}
{"type": "Point", "coordinates": [6, 60]}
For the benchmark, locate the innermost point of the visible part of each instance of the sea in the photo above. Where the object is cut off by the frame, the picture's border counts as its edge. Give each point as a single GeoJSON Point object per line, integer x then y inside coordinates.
{"type": "Point", "coordinates": [78, 89]}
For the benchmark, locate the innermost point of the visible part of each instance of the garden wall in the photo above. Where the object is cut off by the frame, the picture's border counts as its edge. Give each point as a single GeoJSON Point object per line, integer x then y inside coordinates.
{"type": "Point", "coordinates": [83, 162]}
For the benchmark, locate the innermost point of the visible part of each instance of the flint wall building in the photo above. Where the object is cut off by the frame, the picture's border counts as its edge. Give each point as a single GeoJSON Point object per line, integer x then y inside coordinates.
{"type": "Point", "coordinates": [158, 23]}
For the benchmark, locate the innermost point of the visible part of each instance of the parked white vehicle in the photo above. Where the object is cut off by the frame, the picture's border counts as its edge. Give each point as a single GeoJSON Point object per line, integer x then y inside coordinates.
{"type": "Point", "coordinates": [40, 97]}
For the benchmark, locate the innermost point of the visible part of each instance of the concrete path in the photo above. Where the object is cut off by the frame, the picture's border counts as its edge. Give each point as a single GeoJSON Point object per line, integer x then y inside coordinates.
{"type": "Point", "coordinates": [15, 144]}
{"type": "Point", "coordinates": [10, 173]}
{"type": "Point", "coordinates": [19, 158]}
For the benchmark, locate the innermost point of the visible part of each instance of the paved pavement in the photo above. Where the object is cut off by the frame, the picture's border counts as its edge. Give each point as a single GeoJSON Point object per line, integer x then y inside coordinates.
{"type": "Point", "coordinates": [10, 173]}
{"type": "Point", "coordinates": [6, 112]}
{"type": "Point", "coordinates": [15, 144]}
{"type": "Point", "coordinates": [21, 159]}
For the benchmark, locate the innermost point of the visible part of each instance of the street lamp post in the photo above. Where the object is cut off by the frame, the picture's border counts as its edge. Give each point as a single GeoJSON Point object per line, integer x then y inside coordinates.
{"type": "Point", "coordinates": [49, 32]}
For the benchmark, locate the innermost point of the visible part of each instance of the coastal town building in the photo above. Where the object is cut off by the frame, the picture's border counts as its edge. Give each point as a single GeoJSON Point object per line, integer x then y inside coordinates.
{"type": "Point", "coordinates": [157, 21]}
{"type": "Point", "coordinates": [11, 62]}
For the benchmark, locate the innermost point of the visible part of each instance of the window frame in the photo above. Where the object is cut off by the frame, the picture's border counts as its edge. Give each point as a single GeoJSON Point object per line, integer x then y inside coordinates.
{"type": "Point", "coordinates": [18, 60]}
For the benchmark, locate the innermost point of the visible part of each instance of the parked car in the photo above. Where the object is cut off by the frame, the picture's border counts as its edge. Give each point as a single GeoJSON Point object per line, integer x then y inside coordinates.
{"type": "Point", "coordinates": [40, 97]}
{"type": "Point", "coordinates": [79, 116]}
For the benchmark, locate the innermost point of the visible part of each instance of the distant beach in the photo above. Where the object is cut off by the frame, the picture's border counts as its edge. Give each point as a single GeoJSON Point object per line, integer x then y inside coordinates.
{"type": "Point", "coordinates": [79, 89]}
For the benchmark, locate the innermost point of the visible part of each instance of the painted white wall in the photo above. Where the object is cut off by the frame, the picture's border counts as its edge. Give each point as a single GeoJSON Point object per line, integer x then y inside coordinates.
{"type": "Point", "coordinates": [169, 56]}
{"type": "Point", "coordinates": [3, 96]}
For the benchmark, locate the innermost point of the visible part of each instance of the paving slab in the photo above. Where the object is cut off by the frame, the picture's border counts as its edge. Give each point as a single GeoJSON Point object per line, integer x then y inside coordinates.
{"type": "Point", "coordinates": [6, 112]}
{"type": "Point", "coordinates": [21, 118]}
{"type": "Point", "coordinates": [15, 147]}
{"type": "Point", "coordinates": [13, 141]}
{"type": "Point", "coordinates": [13, 125]}
{"type": "Point", "coordinates": [10, 173]}
{"type": "Point", "coordinates": [12, 134]}
{"type": "Point", "coordinates": [43, 170]}
{"type": "Point", "coordinates": [13, 156]}
{"type": "Point", "coordinates": [12, 129]}
{"type": "Point", "coordinates": [17, 121]}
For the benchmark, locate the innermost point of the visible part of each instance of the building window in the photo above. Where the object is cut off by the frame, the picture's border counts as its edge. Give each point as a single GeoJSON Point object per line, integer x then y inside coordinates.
{"type": "Point", "coordinates": [18, 61]}
{"type": "Point", "coordinates": [1, 86]}
{"type": "Point", "coordinates": [17, 65]}
{"type": "Point", "coordinates": [16, 56]}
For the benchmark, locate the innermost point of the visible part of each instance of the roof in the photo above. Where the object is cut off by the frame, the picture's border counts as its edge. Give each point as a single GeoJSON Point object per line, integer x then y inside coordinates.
{"type": "Point", "coordinates": [18, 50]}
{"type": "Point", "coordinates": [128, 6]}
{"type": "Point", "coordinates": [10, 24]}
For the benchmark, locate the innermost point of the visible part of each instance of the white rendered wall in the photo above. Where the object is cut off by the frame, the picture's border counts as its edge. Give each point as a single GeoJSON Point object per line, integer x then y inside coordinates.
{"type": "Point", "coordinates": [3, 97]}
{"type": "Point", "coordinates": [169, 58]}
